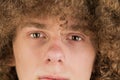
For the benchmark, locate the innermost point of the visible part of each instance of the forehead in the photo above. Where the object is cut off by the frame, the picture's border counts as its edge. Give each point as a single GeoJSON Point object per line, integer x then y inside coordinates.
{"type": "Point", "coordinates": [65, 22]}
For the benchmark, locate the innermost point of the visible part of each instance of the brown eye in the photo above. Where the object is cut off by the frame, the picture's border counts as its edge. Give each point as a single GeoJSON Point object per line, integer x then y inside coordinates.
{"type": "Point", "coordinates": [37, 35]}
{"type": "Point", "coordinates": [74, 37]}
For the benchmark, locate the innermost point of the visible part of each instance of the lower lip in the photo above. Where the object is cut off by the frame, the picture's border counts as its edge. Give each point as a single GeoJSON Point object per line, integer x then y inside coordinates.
{"type": "Point", "coordinates": [51, 79]}
{"type": "Point", "coordinates": [47, 78]}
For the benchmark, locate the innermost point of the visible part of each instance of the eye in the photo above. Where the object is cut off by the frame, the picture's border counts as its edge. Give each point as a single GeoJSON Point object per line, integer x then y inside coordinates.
{"type": "Point", "coordinates": [75, 37]}
{"type": "Point", "coordinates": [37, 35]}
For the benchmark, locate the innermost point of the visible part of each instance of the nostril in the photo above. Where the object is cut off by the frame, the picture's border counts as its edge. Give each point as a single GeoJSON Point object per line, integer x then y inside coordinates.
{"type": "Point", "coordinates": [48, 60]}
{"type": "Point", "coordinates": [59, 60]}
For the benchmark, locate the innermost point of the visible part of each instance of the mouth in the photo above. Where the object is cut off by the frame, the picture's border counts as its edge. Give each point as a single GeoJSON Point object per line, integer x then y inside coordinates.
{"type": "Point", "coordinates": [51, 78]}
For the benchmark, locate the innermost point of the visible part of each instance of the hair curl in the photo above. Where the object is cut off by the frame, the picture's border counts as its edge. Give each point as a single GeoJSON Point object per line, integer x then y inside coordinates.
{"type": "Point", "coordinates": [102, 17]}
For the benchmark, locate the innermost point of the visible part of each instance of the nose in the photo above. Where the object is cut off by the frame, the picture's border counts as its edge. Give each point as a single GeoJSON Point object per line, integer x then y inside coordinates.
{"type": "Point", "coordinates": [54, 54]}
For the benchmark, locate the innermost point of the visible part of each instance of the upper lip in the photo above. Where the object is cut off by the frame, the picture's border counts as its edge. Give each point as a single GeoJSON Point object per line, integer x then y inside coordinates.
{"type": "Point", "coordinates": [52, 78]}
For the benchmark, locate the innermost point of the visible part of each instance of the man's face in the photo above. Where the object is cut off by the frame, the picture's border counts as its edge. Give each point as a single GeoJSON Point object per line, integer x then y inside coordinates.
{"type": "Point", "coordinates": [49, 49]}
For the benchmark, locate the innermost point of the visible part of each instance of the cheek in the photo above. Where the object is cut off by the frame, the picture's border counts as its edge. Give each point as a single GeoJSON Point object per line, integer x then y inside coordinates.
{"type": "Point", "coordinates": [82, 59]}
{"type": "Point", "coordinates": [26, 59]}
{"type": "Point", "coordinates": [25, 54]}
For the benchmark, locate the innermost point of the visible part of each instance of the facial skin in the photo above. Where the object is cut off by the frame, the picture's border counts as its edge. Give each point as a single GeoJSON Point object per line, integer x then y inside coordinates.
{"type": "Point", "coordinates": [44, 50]}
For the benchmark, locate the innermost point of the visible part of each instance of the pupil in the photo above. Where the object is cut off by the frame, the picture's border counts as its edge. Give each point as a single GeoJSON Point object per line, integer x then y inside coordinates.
{"type": "Point", "coordinates": [36, 35]}
{"type": "Point", "coordinates": [75, 37]}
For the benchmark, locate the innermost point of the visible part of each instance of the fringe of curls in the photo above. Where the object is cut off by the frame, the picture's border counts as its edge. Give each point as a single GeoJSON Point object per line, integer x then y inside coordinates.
{"type": "Point", "coordinates": [102, 15]}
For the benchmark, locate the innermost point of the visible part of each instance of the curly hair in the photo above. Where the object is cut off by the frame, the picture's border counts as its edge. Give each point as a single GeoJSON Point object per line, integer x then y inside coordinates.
{"type": "Point", "coordinates": [100, 17]}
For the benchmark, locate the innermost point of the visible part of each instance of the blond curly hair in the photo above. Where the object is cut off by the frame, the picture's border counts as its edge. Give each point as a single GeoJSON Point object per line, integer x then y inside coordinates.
{"type": "Point", "coordinates": [102, 17]}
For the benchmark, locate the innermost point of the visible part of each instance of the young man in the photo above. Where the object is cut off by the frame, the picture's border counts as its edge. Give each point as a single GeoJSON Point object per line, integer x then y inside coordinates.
{"type": "Point", "coordinates": [49, 40]}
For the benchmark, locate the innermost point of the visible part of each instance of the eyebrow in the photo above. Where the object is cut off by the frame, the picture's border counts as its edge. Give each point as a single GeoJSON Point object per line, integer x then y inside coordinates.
{"type": "Point", "coordinates": [85, 29]}
{"type": "Point", "coordinates": [34, 24]}
{"type": "Point", "coordinates": [75, 27]}
{"type": "Point", "coordinates": [78, 27]}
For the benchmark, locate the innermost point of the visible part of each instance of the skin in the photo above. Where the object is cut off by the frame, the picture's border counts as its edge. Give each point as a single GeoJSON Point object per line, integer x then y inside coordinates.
{"type": "Point", "coordinates": [45, 50]}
